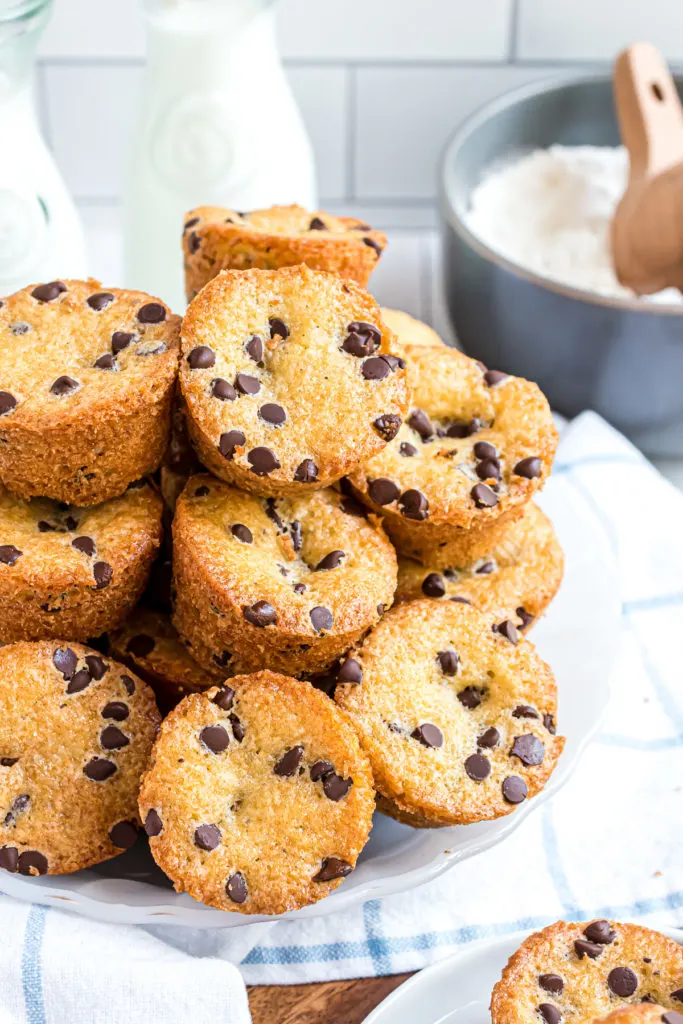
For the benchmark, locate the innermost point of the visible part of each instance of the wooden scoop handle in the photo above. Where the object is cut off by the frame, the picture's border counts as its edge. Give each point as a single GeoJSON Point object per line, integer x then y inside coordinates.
{"type": "Point", "coordinates": [649, 111]}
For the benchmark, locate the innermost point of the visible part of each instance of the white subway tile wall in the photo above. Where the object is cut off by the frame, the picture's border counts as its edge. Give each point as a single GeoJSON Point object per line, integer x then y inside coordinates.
{"type": "Point", "coordinates": [381, 85]}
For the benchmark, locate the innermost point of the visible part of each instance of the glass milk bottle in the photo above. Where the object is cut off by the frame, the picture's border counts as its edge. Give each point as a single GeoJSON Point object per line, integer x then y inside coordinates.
{"type": "Point", "coordinates": [217, 124]}
{"type": "Point", "coordinates": [40, 233]}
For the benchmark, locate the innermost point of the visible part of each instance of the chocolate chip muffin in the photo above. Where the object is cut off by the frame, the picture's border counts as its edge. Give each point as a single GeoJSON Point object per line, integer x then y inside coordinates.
{"type": "Point", "coordinates": [517, 578]}
{"type": "Point", "coordinates": [76, 732]}
{"type": "Point", "coordinates": [289, 379]}
{"type": "Point", "coordinates": [258, 798]}
{"type": "Point", "coordinates": [476, 446]}
{"type": "Point", "coordinates": [641, 1013]}
{"type": "Point", "coordinates": [457, 718]}
{"type": "Point", "coordinates": [74, 572]}
{"type": "Point", "coordinates": [288, 584]}
{"type": "Point", "coordinates": [216, 239]}
{"type": "Point", "coordinates": [577, 972]}
{"type": "Point", "coordinates": [86, 381]}
{"type": "Point", "coordinates": [149, 644]}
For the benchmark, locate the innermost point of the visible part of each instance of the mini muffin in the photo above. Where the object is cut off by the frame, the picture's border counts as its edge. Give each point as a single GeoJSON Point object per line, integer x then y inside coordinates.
{"type": "Point", "coordinates": [289, 379]}
{"type": "Point", "coordinates": [410, 331]}
{"type": "Point", "coordinates": [580, 972]}
{"type": "Point", "coordinates": [288, 584]}
{"type": "Point", "coordinates": [258, 798]}
{"type": "Point", "coordinates": [76, 732]}
{"type": "Point", "coordinates": [86, 382]}
{"type": "Point", "coordinates": [148, 643]}
{"type": "Point", "coordinates": [516, 579]}
{"type": "Point", "coordinates": [74, 572]}
{"type": "Point", "coordinates": [216, 239]}
{"type": "Point", "coordinates": [641, 1013]}
{"type": "Point", "coordinates": [457, 717]}
{"type": "Point", "coordinates": [476, 446]}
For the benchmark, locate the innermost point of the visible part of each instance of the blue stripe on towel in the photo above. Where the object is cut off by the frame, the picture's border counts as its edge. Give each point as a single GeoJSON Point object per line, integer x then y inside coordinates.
{"type": "Point", "coordinates": [32, 965]}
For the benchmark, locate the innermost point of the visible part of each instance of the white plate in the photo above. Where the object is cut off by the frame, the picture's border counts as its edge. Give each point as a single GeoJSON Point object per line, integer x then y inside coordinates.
{"type": "Point", "coordinates": [578, 638]}
{"type": "Point", "coordinates": [457, 990]}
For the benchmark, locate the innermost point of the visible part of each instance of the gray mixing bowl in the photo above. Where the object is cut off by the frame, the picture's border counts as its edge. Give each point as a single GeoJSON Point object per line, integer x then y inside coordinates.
{"type": "Point", "coordinates": [616, 356]}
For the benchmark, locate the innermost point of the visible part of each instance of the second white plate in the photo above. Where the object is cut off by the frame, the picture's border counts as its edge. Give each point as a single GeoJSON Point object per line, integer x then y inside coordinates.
{"type": "Point", "coordinates": [578, 638]}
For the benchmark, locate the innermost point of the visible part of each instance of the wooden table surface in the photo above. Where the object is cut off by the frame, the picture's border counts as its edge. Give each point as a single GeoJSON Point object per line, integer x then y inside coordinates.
{"type": "Point", "coordinates": [334, 1002]}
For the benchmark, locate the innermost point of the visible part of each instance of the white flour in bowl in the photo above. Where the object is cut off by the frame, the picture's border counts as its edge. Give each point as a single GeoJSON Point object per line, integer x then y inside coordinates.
{"type": "Point", "coordinates": [550, 211]}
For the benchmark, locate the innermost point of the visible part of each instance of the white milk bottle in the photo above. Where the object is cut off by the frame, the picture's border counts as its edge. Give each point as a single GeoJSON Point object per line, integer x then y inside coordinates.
{"type": "Point", "coordinates": [217, 124]}
{"type": "Point", "coordinates": [40, 233]}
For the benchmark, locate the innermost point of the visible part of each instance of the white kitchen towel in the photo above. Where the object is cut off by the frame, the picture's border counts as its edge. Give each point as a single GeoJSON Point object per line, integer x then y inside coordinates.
{"type": "Point", "coordinates": [610, 843]}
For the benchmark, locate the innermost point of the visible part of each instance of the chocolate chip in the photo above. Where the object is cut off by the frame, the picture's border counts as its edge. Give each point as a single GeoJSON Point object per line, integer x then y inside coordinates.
{"type": "Point", "coordinates": [366, 330]}
{"type": "Point", "coordinates": [448, 661]}
{"type": "Point", "coordinates": [271, 512]}
{"type": "Point", "coordinates": [237, 728]}
{"type": "Point", "coordinates": [387, 426]}
{"type": "Point", "coordinates": [485, 450]}
{"type": "Point", "coordinates": [7, 402]}
{"type": "Point", "coordinates": [207, 837]}
{"type": "Point", "coordinates": [9, 858]}
{"type": "Point", "coordinates": [525, 711]}
{"type": "Point", "coordinates": [373, 245]}
{"type": "Point", "coordinates": [120, 340]}
{"type": "Point", "coordinates": [99, 769]}
{"type": "Point", "coordinates": [229, 442]}
{"type": "Point", "coordinates": [9, 554]}
{"type": "Point", "coordinates": [420, 422]}
{"type": "Point", "coordinates": [236, 888]}
{"type": "Point", "coordinates": [243, 533]}
{"type": "Point", "coordinates": [478, 767]}
{"type": "Point", "coordinates": [193, 242]}
{"type": "Point", "coordinates": [528, 749]}
{"type": "Point", "coordinates": [407, 450]}
{"type": "Point", "coordinates": [493, 377]}
{"type": "Point", "coordinates": [375, 368]}
{"type": "Point", "coordinates": [383, 491]}
{"type": "Point", "coordinates": [80, 681]}
{"type": "Point", "coordinates": [429, 735]}
{"type": "Point", "coordinates": [551, 983]}
{"type": "Point", "coordinates": [483, 496]}
{"type": "Point", "coordinates": [622, 981]}
{"type": "Point", "coordinates": [117, 710]}
{"type": "Point", "coordinates": [190, 224]}
{"type": "Point", "coordinates": [331, 561]}
{"type": "Point", "coordinates": [64, 386]}
{"type": "Point", "coordinates": [488, 469]}
{"type": "Point", "coordinates": [306, 472]}
{"type": "Point", "coordinates": [246, 384]}
{"type": "Point", "coordinates": [335, 787]}
{"type": "Point", "coordinates": [350, 671]}
{"type": "Point", "coordinates": [525, 617]}
{"type": "Point", "coordinates": [224, 698]}
{"type": "Point", "coordinates": [413, 505]}
{"type": "Point", "coordinates": [508, 630]}
{"type": "Point", "coordinates": [112, 738]}
{"type": "Point", "coordinates": [359, 345]}
{"type": "Point", "coordinates": [278, 328]}
{"type": "Point", "coordinates": [8, 762]}
{"type": "Point", "coordinates": [103, 573]}
{"type": "Point", "coordinates": [489, 739]}
{"type": "Point", "coordinates": [260, 614]}
{"type": "Point", "coordinates": [550, 1013]}
{"type": "Point", "coordinates": [65, 661]}
{"type": "Point", "coordinates": [600, 931]}
{"type": "Point", "coordinates": [321, 619]}
{"type": "Point", "coordinates": [84, 544]}
{"type": "Point", "coordinates": [141, 645]}
{"type": "Point", "coordinates": [124, 834]}
{"type": "Point", "coordinates": [317, 225]}
{"type": "Point", "coordinates": [529, 468]}
{"type": "Point", "coordinates": [201, 357]}
{"type": "Point", "coordinates": [262, 461]}
{"type": "Point", "coordinates": [273, 414]}
{"type": "Point", "coordinates": [319, 769]}
{"type": "Point", "coordinates": [254, 348]}
{"type": "Point", "coordinates": [332, 867]}
{"type": "Point", "coordinates": [589, 949]}
{"type": "Point", "coordinates": [549, 723]}
{"type": "Point", "coordinates": [48, 292]}
{"type": "Point", "coordinates": [486, 569]}
{"type": "Point", "coordinates": [19, 806]}
{"type": "Point", "coordinates": [215, 737]}
{"type": "Point", "coordinates": [100, 301]}
{"type": "Point", "coordinates": [289, 762]}
{"type": "Point", "coordinates": [201, 492]}
{"type": "Point", "coordinates": [470, 697]}
{"type": "Point", "coordinates": [153, 824]}
{"type": "Point", "coordinates": [433, 585]}
{"type": "Point", "coordinates": [20, 328]}
{"type": "Point", "coordinates": [672, 1017]}
{"type": "Point", "coordinates": [151, 313]}
{"type": "Point", "coordinates": [296, 534]}
{"type": "Point", "coordinates": [678, 995]}
{"type": "Point", "coordinates": [514, 789]}
{"type": "Point", "coordinates": [30, 862]}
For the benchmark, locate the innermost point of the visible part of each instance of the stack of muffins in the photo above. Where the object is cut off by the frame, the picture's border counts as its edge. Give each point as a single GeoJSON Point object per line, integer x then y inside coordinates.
{"type": "Point", "coordinates": [225, 509]}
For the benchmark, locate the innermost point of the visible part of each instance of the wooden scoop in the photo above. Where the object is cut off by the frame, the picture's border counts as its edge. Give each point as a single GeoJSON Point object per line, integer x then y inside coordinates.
{"type": "Point", "coordinates": [647, 229]}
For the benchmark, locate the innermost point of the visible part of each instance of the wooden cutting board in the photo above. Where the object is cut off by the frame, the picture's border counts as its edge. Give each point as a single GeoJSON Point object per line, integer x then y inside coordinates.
{"type": "Point", "coordinates": [335, 1002]}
